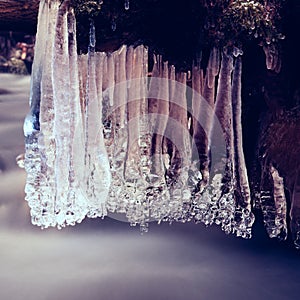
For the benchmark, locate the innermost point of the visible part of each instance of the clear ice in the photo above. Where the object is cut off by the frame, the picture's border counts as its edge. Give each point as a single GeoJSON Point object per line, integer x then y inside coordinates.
{"type": "Point", "coordinates": [104, 137]}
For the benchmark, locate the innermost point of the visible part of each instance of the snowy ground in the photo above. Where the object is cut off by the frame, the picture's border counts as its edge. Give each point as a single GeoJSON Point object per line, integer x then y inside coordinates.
{"type": "Point", "coordinates": [106, 259]}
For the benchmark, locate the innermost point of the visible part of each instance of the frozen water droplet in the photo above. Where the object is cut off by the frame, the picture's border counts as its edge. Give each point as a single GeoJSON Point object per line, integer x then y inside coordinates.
{"type": "Point", "coordinates": [126, 4]}
{"type": "Point", "coordinates": [92, 34]}
{"type": "Point", "coordinates": [20, 160]}
{"type": "Point", "coordinates": [236, 52]}
{"type": "Point", "coordinates": [113, 25]}
{"type": "Point", "coordinates": [30, 125]}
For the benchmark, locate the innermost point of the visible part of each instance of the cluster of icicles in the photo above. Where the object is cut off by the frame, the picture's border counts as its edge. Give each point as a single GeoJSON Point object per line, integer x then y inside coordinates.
{"type": "Point", "coordinates": [104, 137]}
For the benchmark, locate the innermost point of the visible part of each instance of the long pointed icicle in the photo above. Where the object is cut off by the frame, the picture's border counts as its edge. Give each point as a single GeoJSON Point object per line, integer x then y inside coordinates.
{"type": "Point", "coordinates": [280, 204]}
{"type": "Point", "coordinates": [196, 100]}
{"type": "Point", "coordinates": [169, 147]}
{"type": "Point", "coordinates": [273, 59]}
{"type": "Point", "coordinates": [107, 109]}
{"type": "Point", "coordinates": [134, 114]}
{"type": "Point", "coordinates": [244, 217]}
{"type": "Point", "coordinates": [110, 78]}
{"type": "Point", "coordinates": [96, 161]}
{"type": "Point", "coordinates": [159, 108]}
{"type": "Point", "coordinates": [119, 123]}
{"type": "Point", "coordinates": [129, 65]}
{"type": "Point", "coordinates": [40, 178]}
{"type": "Point", "coordinates": [120, 89]}
{"type": "Point", "coordinates": [206, 118]}
{"type": "Point", "coordinates": [267, 201]}
{"type": "Point", "coordinates": [204, 115]}
{"type": "Point", "coordinates": [223, 106]}
{"type": "Point", "coordinates": [178, 126]}
{"type": "Point", "coordinates": [61, 103]}
{"type": "Point", "coordinates": [240, 171]}
{"type": "Point", "coordinates": [295, 211]}
{"type": "Point", "coordinates": [213, 66]}
{"type": "Point", "coordinates": [46, 140]}
{"type": "Point", "coordinates": [208, 190]}
{"type": "Point", "coordinates": [82, 74]}
{"type": "Point", "coordinates": [222, 184]}
{"type": "Point", "coordinates": [76, 193]}
{"type": "Point", "coordinates": [71, 203]}
{"type": "Point", "coordinates": [136, 160]}
{"type": "Point", "coordinates": [178, 133]}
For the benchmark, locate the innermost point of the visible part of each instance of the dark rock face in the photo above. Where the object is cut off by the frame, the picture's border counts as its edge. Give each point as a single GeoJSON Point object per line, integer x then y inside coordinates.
{"type": "Point", "coordinates": [19, 15]}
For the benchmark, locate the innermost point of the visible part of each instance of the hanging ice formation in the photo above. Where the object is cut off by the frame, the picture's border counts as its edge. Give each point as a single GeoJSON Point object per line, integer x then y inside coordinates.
{"type": "Point", "coordinates": [66, 161]}
{"type": "Point", "coordinates": [273, 60]}
{"type": "Point", "coordinates": [101, 137]}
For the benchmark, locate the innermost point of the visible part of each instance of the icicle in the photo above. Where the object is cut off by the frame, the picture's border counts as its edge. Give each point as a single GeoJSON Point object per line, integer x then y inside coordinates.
{"type": "Point", "coordinates": [117, 140]}
{"type": "Point", "coordinates": [103, 101]}
{"type": "Point", "coordinates": [239, 160]}
{"type": "Point", "coordinates": [113, 25]}
{"type": "Point", "coordinates": [202, 132]}
{"type": "Point", "coordinates": [82, 73]}
{"type": "Point", "coordinates": [223, 107]}
{"type": "Point", "coordinates": [134, 115]}
{"type": "Point", "coordinates": [172, 84]}
{"type": "Point", "coordinates": [137, 165]}
{"type": "Point", "coordinates": [120, 89]}
{"type": "Point", "coordinates": [90, 90]}
{"type": "Point", "coordinates": [280, 204]}
{"type": "Point", "coordinates": [295, 211]}
{"type": "Point", "coordinates": [211, 77]}
{"type": "Point", "coordinates": [129, 65]}
{"type": "Point", "coordinates": [178, 112]}
{"type": "Point", "coordinates": [100, 61]}
{"type": "Point", "coordinates": [107, 108]}
{"type": "Point", "coordinates": [168, 146]}
{"type": "Point", "coordinates": [215, 61]}
{"type": "Point", "coordinates": [205, 196]}
{"type": "Point", "coordinates": [223, 180]}
{"type": "Point", "coordinates": [269, 57]}
{"type": "Point", "coordinates": [178, 133]}
{"type": "Point", "coordinates": [111, 78]}
{"type": "Point", "coordinates": [197, 139]}
{"type": "Point", "coordinates": [77, 206]}
{"type": "Point", "coordinates": [61, 103]}
{"type": "Point", "coordinates": [44, 24]}
{"type": "Point", "coordinates": [97, 166]}
{"type": "Point", "coordinates": [270, 198]}
{"type": "Point", "coordinates": [158, 109]}
{"type": "Point", "coordinates": [71, 204]}
{"type": "Point", "coordinates": [277, 68]}
{"type": "Point", "coordinates": [105, 75]}
{"type": "Point", "coordinates": [196, 98]}
{"type": "Point", "coordinates": [60, 194]}
{"type": "Point", "coordinates": [114, 143]}
{"type": "Point", "coordinates": [158, 106]}
{"type": "Point", "coordinates": [46, 140]}
{"type": "Point", "coordinates": [38, 125]}
{"type": "Point", "coordinates": [273, 61]}
{"type": "Point", "coordinates": [213, 66]}
{"type": "Point", "coordinates": [242, 189]}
